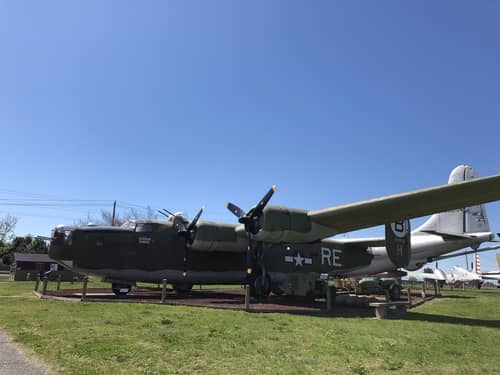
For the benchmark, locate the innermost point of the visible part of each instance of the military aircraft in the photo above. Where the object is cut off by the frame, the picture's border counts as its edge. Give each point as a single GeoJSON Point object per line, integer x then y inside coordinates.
{"type": "Point", "coordinates": [436, 274]}
{"type": "Point", "coordinates": [281, 249]}
{"type": "Point", "coordinates": [492, 275]}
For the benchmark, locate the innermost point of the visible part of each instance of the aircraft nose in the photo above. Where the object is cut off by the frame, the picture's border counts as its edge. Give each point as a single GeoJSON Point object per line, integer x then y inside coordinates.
{"type": "Point", "coordinates": [60, 247]}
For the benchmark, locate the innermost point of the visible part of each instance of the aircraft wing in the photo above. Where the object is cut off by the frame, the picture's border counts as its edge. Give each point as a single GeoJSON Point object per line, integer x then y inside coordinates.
{"type": "Point", "coordinates": [421, 276]}
{"type": "Point", "coordinates": [490, 277]}
{"type": "Point", "coordinates": [408, 205]}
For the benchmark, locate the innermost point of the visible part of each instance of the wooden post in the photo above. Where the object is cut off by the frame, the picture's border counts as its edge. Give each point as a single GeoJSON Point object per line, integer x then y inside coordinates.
{"type": "Point", "coordinates": [409, 296]}
{"type": "Point", "coordinates": [44, 287]}
{"type": "Point", "coordinates": [435, 288]}
{"type": "Point", "coordinates": [438, 288]}
{"type": "Point", "coordinates": [37, 283]}
{"type": "Point", "coordinates": [423, 289]}
{"type": "Point", "coordinates": [247, 297]}
{"type": "Point", "coordinates": [84, 289]}
{"type": "Point", "coordinates": [164, 291]}
{"type": "Point", "coordinates": [59, 282]}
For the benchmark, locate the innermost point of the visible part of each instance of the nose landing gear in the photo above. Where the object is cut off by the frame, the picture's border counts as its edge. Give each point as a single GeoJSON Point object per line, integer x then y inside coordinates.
{"type": "Point", "coordinates": [121, 289]}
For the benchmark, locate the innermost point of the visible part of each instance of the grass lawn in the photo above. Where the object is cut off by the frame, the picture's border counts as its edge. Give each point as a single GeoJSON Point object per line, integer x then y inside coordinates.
{"type": "Point", "coordinates": [457, 334]}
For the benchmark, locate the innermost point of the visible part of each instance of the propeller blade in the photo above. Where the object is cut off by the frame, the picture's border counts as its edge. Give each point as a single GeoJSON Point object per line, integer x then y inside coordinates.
{"type": "Point", "coordinates": [164, 214]}
{"type": "Point", "coordinates": [238, 212]}
{"type": "Point", "coordinates": [195, 220]}
{"type": "Point", "coordinates": [168, 212]}
{"type": "Point", "coordinates": [263, 202]}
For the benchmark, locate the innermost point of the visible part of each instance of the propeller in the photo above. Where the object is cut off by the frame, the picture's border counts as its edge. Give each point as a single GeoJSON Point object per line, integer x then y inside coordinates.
{"type": "Point", "coordinates": [251, 221]}
{"type": "Point", "coordinates": [187, 233]}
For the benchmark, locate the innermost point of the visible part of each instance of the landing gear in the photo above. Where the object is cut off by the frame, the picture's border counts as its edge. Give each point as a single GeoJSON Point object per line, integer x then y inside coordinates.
{"type": "Point", "coordinates": [182, 287]}
{"type": "Point", "coordinates": [260, 286]}
{"type": "Point", "coordinates": [395, 292]}
{"type": "Point", "coordinates": [121, 289]}
{"type": "Point", "coordinates": [277, 290]}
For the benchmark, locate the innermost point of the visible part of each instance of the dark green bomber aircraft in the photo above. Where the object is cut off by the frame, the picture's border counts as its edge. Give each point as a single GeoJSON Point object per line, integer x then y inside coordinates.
{"type": "Point", "coordinates": [284, 250]}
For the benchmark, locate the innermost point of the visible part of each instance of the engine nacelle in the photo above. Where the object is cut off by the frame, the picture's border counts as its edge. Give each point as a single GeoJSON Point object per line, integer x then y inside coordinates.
{"type": "Point", "coordinates": [283, 224]}
{"type": "Point", "coordinates": [218, 237]}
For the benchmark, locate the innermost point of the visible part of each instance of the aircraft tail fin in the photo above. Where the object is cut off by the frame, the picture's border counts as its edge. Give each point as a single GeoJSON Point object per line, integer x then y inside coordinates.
{"type": "Point", "coordinates": [466, 220]}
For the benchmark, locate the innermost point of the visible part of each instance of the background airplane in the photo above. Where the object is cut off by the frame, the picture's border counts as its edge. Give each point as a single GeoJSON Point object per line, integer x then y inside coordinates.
{"type": "Point", "coordinates": [283, 249]}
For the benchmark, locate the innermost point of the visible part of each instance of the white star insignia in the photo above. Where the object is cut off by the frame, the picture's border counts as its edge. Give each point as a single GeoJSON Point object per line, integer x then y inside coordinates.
{"type": "Point", "coordinates": [299, 260]}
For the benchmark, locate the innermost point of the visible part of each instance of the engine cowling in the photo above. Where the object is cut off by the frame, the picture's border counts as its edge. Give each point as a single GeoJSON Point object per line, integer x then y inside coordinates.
{"type": "Point", "coordinates": [283, 224]}
{"type": "Point", "coordinates": [211, 236]}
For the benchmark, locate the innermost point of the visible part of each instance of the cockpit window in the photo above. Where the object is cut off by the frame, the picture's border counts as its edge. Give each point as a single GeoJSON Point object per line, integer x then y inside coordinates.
{"type": "Point", "coordinates": [144, 227]}
{"type": "Point", "coordinates": [63, 233]}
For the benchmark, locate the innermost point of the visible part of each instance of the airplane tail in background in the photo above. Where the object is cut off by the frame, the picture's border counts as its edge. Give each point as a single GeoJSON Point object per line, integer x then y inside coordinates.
{"type": "Point", "coordinates": [458, 222]}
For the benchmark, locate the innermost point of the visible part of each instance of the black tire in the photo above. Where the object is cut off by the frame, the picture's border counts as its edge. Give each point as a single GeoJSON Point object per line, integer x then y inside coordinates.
{"type": "Point", "coordinates": [260, 286]}
{"type": "Point", "coordinates": [395, 292]}
{"type": "Point", "coordinates": [182, 287]}
{"type": "Point", "coordinates": [276, 290]}
{"type": "Point", "coordinates": [121, 289]}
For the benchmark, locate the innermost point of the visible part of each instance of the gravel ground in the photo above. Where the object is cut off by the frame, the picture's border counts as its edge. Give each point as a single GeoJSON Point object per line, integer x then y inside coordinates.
{"type": "Point", "coordinates": [14, 362]}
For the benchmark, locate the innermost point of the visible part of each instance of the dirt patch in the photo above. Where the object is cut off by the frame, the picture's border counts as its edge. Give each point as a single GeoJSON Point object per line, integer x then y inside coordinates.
{"type": "Point", "coordinates": [232, 299]}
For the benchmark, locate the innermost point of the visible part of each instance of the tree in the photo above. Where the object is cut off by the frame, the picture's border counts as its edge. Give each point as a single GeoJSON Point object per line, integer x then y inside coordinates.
{"type": "Point", "coordinates": [26, 244]}
{"type": "Point", "coordinates": [7, 225]}
{"type": "Point", "coordinates": [107, 217]}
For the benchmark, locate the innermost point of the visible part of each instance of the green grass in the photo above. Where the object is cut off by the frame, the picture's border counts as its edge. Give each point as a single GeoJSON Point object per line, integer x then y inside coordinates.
{"type": "Point", "coordinates": [458, 334]}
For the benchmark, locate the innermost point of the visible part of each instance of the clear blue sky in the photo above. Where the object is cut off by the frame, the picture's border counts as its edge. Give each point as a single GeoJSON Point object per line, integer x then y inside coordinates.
{"type": "Point", "coordinates": [183, 104]}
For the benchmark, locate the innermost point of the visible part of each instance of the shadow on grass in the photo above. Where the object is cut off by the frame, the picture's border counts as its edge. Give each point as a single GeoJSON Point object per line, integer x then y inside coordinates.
{"type": "Point", "coordinates": [433, 318]}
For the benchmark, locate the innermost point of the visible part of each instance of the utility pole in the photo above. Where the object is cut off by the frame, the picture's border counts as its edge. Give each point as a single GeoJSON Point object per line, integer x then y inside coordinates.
{"type": "Point", "coordinates": [113, 218]}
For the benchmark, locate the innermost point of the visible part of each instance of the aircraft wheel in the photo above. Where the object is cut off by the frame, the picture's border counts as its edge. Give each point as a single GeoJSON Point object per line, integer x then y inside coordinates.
{"type": "Point", "coordinates": [277, 290]}
{"type": "Point", "coordinates": [120, 289]}
{"type": "Point", "coordinates": [182, 287]}
{"type": "Point", "coordinates": [260, 286]}
{"type": "Point", "coordinates": [394, 292]}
